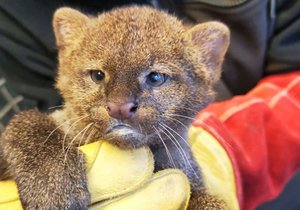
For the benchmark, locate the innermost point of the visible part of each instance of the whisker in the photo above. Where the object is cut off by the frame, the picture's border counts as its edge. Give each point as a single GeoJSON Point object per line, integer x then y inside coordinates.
{"type": "Point", "coordinates": [58, 128]}
{"type": "Point", "coordinates": [172, 118]}
{"type": "Point", "coordinates": [187, 108]}
{"type": "Point", "coordinates": [166, 148]}
{"type": "Point", "coordinates": [184, 140]}
{"type": "Point", "coordinates": [178, 147]}
{"type": "Point", "coordinates": [69, 129]}
{"type": "Point", "coordinates": [185, 156]}
{"type": "Point", "coordinates": [183, 116]}
{"type": "Point", "coordinates": [75, 137]}
{"type": "Point", "coordinates": [140, 128]}
{"type": "Point", "coordinates": [132, 143]}
{"type": "Point", "coordinates": [54, 107]}
{"type": "Point", "coordinates": [83, 136]}
{"type": "Point", "coordinates": [93, 131]}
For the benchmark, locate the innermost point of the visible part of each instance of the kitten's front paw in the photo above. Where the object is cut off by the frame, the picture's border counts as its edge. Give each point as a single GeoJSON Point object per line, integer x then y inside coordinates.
{"type": "Point", "coordinates": [67, 196]}
{"type": "Point", "coordinates": [201, 200]}
{"type": "Point", "coordinates": [45, 195]}
{"type": "Point", "coordinates": [57, 185]}
{"type": "Point", "coordinates": [66, 202]}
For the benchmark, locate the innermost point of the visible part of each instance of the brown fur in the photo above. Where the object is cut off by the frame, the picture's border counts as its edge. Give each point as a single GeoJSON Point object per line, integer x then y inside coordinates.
{"type": "Point", "coordinates": [126, 44]}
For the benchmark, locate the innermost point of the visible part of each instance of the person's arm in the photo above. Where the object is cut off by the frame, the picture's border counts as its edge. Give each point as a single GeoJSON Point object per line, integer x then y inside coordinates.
{"type": "Point", "coordinates": [260, 132]}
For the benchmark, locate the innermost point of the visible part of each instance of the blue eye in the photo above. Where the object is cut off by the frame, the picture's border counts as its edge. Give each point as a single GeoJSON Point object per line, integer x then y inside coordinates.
{"type": "Point", "coordinates": [156, 79]}
{"type": "Point", "coordinates": [97, 75]}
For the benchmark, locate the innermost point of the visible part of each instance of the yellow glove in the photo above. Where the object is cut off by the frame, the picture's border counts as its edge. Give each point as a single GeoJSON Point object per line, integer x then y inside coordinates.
{"type": "Point", "coordinates": [121, 179]}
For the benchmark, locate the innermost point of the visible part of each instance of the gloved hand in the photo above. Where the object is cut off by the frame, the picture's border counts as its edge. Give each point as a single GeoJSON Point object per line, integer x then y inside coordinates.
{"type": "Point", "coordinates": [121, 179]}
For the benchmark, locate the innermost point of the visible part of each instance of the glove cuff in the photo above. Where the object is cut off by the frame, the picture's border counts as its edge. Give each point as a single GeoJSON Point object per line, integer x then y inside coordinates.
{"type": "Point", "coordinates": [216, 166]}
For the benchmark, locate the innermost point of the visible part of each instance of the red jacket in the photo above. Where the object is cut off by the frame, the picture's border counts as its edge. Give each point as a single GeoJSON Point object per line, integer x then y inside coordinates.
{"type": "Point", "coordinates": [261, 133]}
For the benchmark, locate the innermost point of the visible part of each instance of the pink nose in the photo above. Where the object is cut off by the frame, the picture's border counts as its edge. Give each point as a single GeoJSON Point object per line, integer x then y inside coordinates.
{"type": "Point", "coordinates": [123, 111]}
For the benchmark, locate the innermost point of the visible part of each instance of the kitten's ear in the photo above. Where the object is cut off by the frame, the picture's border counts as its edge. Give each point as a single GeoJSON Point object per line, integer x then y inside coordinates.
{"type": "Point", "coordinates": [68, 25]}
{"type": "Point", "coordinates": [211, 40]}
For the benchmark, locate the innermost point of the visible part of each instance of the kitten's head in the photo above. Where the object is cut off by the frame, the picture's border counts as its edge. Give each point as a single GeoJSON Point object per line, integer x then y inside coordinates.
{"type": "Point", "coordinates": [136, 71]}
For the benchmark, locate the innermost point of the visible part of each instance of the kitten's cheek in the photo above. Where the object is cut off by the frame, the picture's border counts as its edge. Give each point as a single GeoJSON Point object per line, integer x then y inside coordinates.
{"type": "Point", "coordinates": [147, 115]}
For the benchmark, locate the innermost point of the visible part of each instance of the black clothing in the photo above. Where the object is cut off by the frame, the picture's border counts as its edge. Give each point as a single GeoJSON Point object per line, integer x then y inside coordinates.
{"type": "Point", "coordinates": [27, 46]}
{"type": "Point", "coordinates": [265, 35]}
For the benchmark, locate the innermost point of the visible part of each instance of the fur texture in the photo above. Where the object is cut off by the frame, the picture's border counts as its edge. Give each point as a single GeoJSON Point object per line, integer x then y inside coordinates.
{"type": "Point", "coordinates": [128, 48]}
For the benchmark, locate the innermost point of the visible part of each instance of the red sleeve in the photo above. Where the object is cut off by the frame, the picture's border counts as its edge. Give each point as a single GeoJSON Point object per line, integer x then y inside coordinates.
{"type": "Point", "coordinates": [261, 133]}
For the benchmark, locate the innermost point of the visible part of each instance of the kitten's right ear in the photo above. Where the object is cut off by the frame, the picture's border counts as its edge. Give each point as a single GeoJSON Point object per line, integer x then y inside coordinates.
{"type": "Point", "coordinates": [68, 25]}
{"type": "Point", "coordinates": [211, 40]}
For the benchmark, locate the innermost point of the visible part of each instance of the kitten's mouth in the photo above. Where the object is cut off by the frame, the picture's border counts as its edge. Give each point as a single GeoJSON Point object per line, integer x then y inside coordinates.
{"type": "Point", "coordinates": [121, 129]}
{"type": "Point", "coordinates": [124, 136]}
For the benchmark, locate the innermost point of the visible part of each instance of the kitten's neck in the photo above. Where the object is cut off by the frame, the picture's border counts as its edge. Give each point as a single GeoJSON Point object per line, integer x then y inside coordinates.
{"type": "Point", "coordinates": [176, 153]}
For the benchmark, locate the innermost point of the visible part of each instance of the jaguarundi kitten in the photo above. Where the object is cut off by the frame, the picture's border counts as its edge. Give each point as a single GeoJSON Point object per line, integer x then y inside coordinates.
{"type": "Point", "coordinates": [135, 76]}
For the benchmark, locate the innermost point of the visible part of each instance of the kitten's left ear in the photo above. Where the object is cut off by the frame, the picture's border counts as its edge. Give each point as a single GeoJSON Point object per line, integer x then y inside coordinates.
{"type": "Point", "coordinates": [68, 26]}
{"type": "Point", "coordinates": [211, 40]}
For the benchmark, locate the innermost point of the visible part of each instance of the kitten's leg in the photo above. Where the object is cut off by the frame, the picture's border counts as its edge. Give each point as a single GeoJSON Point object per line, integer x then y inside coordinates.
{"type": "Point", "coordinates": [3, 167]}
{"type": "Point", "coordinates": [45, 176]}
{"type": "Point", "coordinates": [200, 198]}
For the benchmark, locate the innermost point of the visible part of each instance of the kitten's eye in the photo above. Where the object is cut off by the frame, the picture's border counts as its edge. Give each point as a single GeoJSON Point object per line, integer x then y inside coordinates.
{"type": "Point", "coordinates": [156, 79]}
{"type": "Point", "coordinates": [97, 75]}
